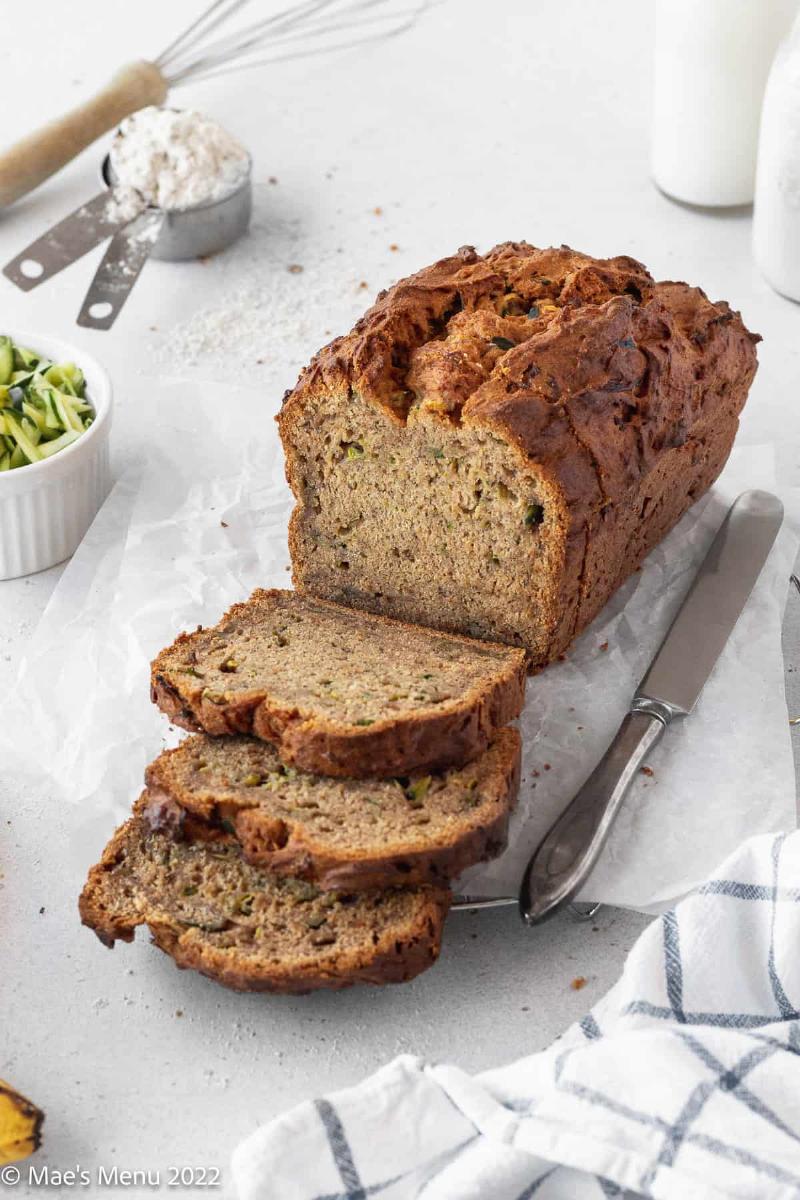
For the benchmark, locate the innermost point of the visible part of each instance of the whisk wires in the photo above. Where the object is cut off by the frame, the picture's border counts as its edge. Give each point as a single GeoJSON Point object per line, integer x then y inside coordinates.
{"type": "Point", "coordinates": [305, 29]}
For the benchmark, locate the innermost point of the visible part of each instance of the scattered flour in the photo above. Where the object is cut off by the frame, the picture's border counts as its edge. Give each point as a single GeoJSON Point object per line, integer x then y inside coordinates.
{"type": "Point", "coordinates": [278, 295]}
{"type": "Point", "coordinates": [311, 263]}
{"type": "Point", "coordinates": [174, 160]}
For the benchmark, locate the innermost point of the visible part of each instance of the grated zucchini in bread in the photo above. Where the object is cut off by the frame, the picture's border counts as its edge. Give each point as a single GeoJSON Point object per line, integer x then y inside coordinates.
{"type": "Point", "coordinates": [338, 691]}
{"type": "Point", "coordinates": [356, 833]}
{"type": "Point", "coordinates": [211, 911]}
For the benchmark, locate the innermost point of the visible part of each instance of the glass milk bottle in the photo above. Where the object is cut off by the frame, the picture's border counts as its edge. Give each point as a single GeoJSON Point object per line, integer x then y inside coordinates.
{"type": "Point", "coordinates": [712, 59]}
{"type": "Point", "coordinates": [776, 217]}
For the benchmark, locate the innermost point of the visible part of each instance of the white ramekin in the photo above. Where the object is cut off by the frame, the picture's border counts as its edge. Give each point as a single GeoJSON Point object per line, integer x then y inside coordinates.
{"type": "Point", "coordinates": [46, 507]}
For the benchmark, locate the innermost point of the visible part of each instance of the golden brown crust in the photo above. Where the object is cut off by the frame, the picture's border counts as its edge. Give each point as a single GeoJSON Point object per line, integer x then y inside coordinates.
{"type": "Point", "coordinates": [397, 955]}
{"type": "Point", "coordinates": [291, 846]}
{"type": "Point", "coordinates": [432, 740]}
{"type": "Point", "coordinates": [615, 374]}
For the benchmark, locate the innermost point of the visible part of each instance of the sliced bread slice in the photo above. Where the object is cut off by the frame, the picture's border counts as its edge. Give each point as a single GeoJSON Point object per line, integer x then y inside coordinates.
{"type": "Point", "coordinates": [355, 833]}
{"type": "Point", "coordinates": [339, 691]}
{"type": "Point", "coordinates": [249, 930]}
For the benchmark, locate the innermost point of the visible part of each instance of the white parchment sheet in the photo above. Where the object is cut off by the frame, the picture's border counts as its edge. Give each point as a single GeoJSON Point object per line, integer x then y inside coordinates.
{"type": "Point", "coordinates": [203, 522]}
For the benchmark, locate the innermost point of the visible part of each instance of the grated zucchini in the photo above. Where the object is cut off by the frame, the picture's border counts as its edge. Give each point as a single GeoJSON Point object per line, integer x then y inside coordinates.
{"type": "Point", "coordinates": [43, 406]}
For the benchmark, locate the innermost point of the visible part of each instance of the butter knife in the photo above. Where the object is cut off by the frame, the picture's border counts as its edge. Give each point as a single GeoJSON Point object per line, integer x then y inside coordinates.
{"type": "Point", "coordinates": [565, 857]}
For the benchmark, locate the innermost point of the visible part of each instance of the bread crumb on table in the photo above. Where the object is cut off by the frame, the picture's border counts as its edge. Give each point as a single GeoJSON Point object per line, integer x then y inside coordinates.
{"type": "Point", "coordinates": [579, 982]}
{"type": "Point", "coordinates": [647, 771]}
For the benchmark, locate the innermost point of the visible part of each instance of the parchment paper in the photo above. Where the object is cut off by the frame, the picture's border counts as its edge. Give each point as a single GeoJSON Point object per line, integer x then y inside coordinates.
{"type": "Point", "coordinates": [203, 521]}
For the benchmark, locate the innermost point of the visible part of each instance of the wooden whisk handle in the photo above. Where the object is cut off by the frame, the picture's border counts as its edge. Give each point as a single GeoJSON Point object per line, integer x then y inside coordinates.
{"type": "Point", "coordinates": [39, 155]}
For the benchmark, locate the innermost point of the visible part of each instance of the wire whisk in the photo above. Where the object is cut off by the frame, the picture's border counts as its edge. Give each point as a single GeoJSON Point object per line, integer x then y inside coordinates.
{"type": "Point", "coordinates": [309, 28]}
{"type": "Point", "coordinates": [204, 50]}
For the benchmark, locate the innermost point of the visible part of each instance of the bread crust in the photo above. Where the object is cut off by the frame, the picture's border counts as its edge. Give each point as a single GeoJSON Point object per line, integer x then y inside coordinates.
{"type": "Point", "coordinates": [624, 373]}
{"type": "Point", "coordinates": [398, 955]}
{"type": "Point", "coordinates": [431, 740]}
{"type": "Point", "coordinates": [288, 846]}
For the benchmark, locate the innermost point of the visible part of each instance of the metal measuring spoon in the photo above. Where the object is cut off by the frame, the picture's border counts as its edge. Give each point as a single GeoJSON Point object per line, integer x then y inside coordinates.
{"type": "Point", "coordinates": [67, 241]}
{"type": "Point", "coordinates": [126, 254]}
{"type": "Point", "coordinates": [172, 235]}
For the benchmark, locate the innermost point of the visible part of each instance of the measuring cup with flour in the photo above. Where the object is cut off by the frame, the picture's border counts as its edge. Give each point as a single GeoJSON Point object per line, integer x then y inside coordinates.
{"type": "Point", "coordinates": [178, 186]}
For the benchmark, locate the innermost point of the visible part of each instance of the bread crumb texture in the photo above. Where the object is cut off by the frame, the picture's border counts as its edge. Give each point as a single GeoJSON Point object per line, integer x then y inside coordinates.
{"type": "Point", "coordinates": [340, 691]}
{"type": "Point", "coordinates": [356, 832]}
{"type": "Point", "coordinates": [252, 931]}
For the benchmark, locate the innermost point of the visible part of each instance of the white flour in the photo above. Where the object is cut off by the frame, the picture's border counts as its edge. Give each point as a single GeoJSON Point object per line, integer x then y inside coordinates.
{"type": "Point", "coordinates": [175, 160]}
{"type": "Point", "coordinates": [257, 316]}
{"type": "Point", "coordinates": [308, 267]}
{"type": "Point", "coordinates": [125, 204]}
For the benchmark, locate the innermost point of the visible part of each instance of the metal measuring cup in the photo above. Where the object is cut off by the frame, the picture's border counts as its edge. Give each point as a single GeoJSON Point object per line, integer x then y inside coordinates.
{"type": "Point", "coordinates": [173, 235]}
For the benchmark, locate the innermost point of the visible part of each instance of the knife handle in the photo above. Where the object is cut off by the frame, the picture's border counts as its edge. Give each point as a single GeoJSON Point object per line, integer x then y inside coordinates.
{"type": "Point", "coordinates": [564, 859]}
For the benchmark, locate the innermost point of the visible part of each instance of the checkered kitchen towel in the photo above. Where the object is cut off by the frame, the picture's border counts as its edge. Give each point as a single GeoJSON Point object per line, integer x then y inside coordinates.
{"type": "Point", "coordinates": [682, 1084]}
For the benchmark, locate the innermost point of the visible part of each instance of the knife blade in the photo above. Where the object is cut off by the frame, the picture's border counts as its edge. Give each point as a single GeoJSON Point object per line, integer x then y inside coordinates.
{"type": "Point", "coordinates": [564, 859]}
{"type": "Point", "coordinates": [712, 606]}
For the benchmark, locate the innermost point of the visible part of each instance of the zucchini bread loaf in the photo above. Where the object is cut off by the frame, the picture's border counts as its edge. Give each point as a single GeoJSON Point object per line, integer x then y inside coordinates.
{"type": "Point", "coordinates": [501, 439]}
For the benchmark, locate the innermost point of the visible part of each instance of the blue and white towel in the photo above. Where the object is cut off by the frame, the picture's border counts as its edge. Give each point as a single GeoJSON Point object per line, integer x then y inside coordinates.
{"type": "Point", "coordinates": [682, 1084]}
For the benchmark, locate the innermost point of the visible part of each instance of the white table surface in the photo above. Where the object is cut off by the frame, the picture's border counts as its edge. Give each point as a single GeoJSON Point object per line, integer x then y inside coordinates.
{"type": "Point", "coordinates": [489, 122]}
